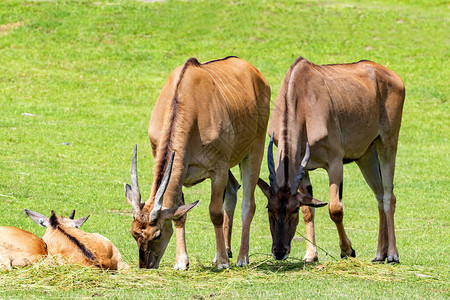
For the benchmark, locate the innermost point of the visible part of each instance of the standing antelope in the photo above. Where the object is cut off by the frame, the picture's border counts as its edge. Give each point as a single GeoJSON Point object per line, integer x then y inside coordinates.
{"type": "Point", "coordinates": [346, 112]}
{"type": "Point", "coordinates": [64, 238]}
{"type": "Point", "coordinates": [20, 248]}
{"type": "Point", "coordinates": [209, 117]}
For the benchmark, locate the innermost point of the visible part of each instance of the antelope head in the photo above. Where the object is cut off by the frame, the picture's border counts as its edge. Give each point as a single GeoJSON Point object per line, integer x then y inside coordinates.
{"type": "Point", "coordinates": [284, 204]}
{"type": "Point", "coordinates": [152, 230]}
{"type": "Point", "coordinates": [44, 221]}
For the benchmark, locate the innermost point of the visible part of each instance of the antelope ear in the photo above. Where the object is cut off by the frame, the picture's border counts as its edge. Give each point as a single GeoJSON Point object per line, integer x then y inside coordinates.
{"type": "Point", "coordinates": [79, 222]}
{"type": "Point", "coordinates": [178, 212]}
{"type": "Point", "coordinates": [265, 188]}
{"type": "Point", "coordinates": [37, 217]}
{"type": "Point", "coordinates": [309, 201]}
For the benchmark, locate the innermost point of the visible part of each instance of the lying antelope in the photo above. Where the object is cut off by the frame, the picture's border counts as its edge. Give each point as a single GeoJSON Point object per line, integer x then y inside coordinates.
{"type": "Point", "coordinates": [209, 117]}
{"type": "Point", "coordinates": [346, 112]}
{"type": "Point", "coordinates": [64, 238]}
{"type": "Point", "coordinates": [20, 248]}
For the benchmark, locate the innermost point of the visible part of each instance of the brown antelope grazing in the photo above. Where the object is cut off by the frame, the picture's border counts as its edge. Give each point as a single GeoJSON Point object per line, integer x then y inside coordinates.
{"type": "Point", "coordinates": [346, 112]}
{"type": "Point", "coordinates": [209, 117]}
{"type": "Point", "coordinates": [64, 238]}
{"type": "Point", "coordinates": [19, 248]}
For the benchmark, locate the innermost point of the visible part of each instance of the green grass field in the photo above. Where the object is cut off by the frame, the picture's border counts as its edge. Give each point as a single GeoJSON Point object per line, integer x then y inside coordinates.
{"type": "Point", "coordinates": [90, 73]}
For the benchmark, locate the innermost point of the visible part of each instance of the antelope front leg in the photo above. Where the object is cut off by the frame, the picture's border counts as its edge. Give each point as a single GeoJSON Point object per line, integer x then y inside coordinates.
{"type": "Point", "coordinates": [218, 185]}
{"type": "Point", "coordinates": [181, 260]}
{"type": "Point", "coordinates": [308, 216]}
{"type": "Point", "coordinates": [311, 250]}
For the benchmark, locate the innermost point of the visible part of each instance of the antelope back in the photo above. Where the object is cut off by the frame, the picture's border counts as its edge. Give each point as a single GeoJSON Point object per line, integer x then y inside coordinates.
{"type": "Point", "coordinates": [79, 247]}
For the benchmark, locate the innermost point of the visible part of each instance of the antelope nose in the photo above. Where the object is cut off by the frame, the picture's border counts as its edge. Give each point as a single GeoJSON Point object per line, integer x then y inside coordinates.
{"type": "Point", "coordinates": [280, 253]}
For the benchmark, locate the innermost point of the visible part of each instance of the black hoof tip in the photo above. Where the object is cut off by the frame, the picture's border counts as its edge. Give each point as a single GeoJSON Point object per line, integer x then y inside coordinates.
{"type": "Point", "coordinates": [311, 262]}
{"type": "Point", "coordinates": [353, 254]}
{"type": "Point", "coordinates": [393, 262]}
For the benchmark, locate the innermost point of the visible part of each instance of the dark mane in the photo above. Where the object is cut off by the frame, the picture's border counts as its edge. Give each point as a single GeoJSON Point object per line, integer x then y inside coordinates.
{"type": "Point", "coordinates": [284, 132]}
{"type": "Point", "coordinates": [352, 63]}
{"type": "Point", "coordinates": [166, 144]}
{"type": "Point", "coordinates": [220, 59]}
{"type": "Point", "coordinates": [53, 220]}
{"type": "Point", "coordinates": [300, 58]}
{"type": "Point", "coordinates": [54, 223]}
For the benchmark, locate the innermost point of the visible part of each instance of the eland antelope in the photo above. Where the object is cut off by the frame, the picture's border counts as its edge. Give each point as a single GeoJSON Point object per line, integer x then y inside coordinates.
{"type": "Point", "coordinates": [208, 118]}
{"type": "Point", "coordinates": [332, 115]}
{"type": "Point", "coordinates": [64, 239]}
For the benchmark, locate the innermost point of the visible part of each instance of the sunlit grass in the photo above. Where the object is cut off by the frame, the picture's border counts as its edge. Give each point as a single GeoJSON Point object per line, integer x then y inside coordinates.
{"type": "Point", "coordinates": [87, 75]}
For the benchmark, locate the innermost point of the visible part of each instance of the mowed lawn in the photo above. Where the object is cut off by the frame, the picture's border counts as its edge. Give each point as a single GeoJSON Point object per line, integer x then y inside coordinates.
{"type": "Point", "coordinates": [78, 81]}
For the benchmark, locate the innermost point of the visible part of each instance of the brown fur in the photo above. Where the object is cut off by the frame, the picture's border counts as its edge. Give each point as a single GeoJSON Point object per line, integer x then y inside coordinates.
{"type": "Point", "coordinates": [347, 112]}
{"type": "Point", "coordinates": [213, 116]}
{"type": "Point", "coordinates": [79, 247]}
{"type": "Point", "coordinates": [19, 248]}
{"type": "Point", "coordinates": [69, 244]}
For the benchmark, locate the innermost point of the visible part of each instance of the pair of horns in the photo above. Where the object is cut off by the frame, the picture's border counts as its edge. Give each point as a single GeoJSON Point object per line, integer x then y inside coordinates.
{"type": "Point", "coordinates": [136, 194]}
{"type": "Point", "coordinates": [72, 214]}
{"type": "Point", "coordinates": [273, 175]}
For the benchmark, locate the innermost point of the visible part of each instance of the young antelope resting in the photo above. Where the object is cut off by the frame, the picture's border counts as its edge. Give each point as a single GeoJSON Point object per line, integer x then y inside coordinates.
{"type": "Point", "coordinates": [64, 238]}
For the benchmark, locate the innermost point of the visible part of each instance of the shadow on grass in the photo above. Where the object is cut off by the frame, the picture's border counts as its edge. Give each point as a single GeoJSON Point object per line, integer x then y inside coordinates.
{"type": "Point", "coordinates": [263, 263]}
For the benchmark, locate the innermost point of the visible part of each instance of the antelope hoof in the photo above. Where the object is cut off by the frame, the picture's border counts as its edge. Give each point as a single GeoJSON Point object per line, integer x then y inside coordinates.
{"type": "Point", "coordinates": [345, 255]}
{"type": "Point", "coordinates": [181, 266]}
{"type": "Point", "coordinates": [310, 259]}
{"type": "Point", "coordinates": [223, 266]}
{"type": "Point", "coordinates": [393, 259]}
{"type": "Point", "coordinates": [243, 262]}
{"type": "Point", "coordinates": [181, 262]}
{"type": "Point", "coordinates": [379, 259]}
{"type": "Point", "coordinates": [222, 263]}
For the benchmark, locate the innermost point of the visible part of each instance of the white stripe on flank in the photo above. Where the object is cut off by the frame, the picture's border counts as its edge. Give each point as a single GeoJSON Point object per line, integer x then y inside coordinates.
{"type": "Point", "coordinates": [218, 77]}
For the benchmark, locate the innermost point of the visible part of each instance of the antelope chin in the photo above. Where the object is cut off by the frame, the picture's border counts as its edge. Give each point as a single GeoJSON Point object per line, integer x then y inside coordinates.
{"type": "Point", "coordinates": [151, 265]}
